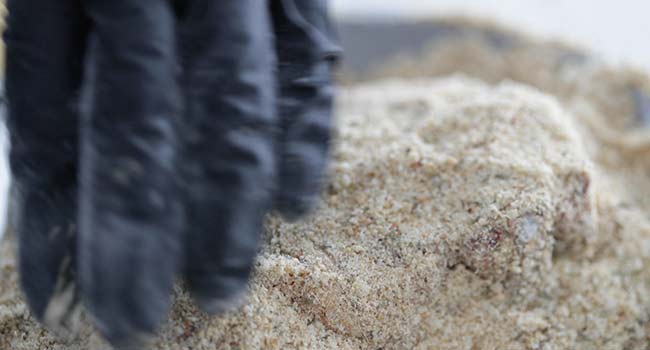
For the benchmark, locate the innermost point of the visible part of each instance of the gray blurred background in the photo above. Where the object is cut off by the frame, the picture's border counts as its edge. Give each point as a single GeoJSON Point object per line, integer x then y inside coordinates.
{"type": "Point", "coordinates": [618, 31]}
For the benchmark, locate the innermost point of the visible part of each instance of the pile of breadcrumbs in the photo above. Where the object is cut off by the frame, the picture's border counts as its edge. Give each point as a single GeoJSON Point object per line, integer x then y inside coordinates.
{"type": "Point", "coordinates": [462, 213]}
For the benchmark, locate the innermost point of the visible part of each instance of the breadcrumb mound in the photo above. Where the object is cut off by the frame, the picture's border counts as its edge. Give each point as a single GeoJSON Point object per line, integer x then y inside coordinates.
{"type": "Point", "coordinates": [461, 213]}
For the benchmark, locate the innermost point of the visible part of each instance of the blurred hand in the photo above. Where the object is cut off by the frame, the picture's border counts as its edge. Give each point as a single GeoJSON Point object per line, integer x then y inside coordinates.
{"type": "Point", "coordinates": [170, 173]}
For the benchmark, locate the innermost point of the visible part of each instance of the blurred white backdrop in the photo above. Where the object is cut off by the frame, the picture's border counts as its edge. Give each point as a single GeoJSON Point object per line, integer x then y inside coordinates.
{"type": "Point", "coordinates": [619, 30]}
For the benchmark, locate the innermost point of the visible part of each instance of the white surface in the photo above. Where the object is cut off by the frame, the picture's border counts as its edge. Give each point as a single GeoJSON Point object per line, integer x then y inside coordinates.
{"type": "Point", "coordinates": [620, 30]}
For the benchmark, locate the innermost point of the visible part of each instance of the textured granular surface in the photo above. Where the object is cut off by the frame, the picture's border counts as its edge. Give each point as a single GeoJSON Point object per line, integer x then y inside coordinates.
{"type": "Point", "coordinates": [462, 213]}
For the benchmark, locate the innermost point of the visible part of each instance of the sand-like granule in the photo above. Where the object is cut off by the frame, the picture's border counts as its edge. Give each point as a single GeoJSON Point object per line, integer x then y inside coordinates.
{"type": "Point", "coordinates": [461, 214]}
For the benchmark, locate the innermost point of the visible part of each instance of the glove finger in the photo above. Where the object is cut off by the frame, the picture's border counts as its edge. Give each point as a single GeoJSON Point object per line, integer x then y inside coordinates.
{"type": "Point", "coordinates": [130, 215]}
{"type": "Point", "coordinates": [228, 162]}
{"type": "Point", "coordinates": [46, 234]}
{"type": "Point", "coordinates": [43, 123]}
{"type": "Point", "coordinates": [306, 50]}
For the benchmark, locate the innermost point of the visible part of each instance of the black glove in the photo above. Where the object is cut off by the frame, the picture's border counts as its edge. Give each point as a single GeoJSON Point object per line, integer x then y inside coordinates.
{"type": "Point", "coordinates": [154, 185]}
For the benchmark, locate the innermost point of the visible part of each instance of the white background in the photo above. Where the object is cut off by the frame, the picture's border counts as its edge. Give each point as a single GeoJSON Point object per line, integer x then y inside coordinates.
{"type": "Point", "coordinates": [617, 29]}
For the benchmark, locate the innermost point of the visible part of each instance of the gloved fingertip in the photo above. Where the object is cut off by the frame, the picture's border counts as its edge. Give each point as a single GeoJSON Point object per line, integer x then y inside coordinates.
{"type": "Point", "coordinates": [294, 208]}
{"type": "Point", "coordinates": [218, 306]}
{"type": "Point", "coordinates": [46, 234]}
{"type": "Point", "coordinates": [127, 291]}
{"type": "Point", "coordinates": [217, 293]}
{"type": "Point", "coordinates": [124, 332]}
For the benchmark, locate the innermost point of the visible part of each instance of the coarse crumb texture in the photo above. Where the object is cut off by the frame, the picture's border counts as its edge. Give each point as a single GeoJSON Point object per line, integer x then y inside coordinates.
{"type": "Point", "coordinates": [461, 213]}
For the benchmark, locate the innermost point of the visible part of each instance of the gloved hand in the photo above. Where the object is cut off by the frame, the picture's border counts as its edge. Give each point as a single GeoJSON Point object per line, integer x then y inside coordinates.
{"type": "Point", "coordinates": [171, 180]}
